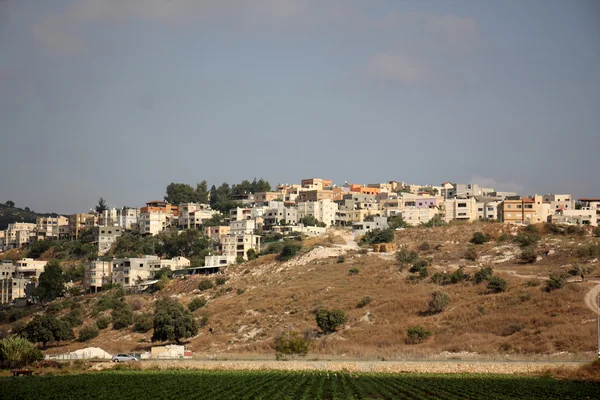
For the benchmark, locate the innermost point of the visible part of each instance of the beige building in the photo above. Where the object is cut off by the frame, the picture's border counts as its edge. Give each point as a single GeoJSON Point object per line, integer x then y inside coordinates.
{"type": "Point", "coordinates": [215, 233]}
{"type": "Point", "coordinates": [323, 210]}
{"type": "Point", "coordinates": [97, 274]}
{"type": "Point", "coordinates": [48, 227]}
{"type": "Point", "coordinates": [193, 215]}
{"type": "Point", "coordinates": [585, 216]}
{"type": "Point", "coordinates": [460, 209]}
{"type": "Point", "coordinates": [18, 234]}
{"type": "Point", "coordinates": [77, 223]}
{"type": "Point", "coordinates": [559, 201]}
{"type": "Point", "coordinates": [240, 239]}
{"type": "Point", "coordinates": [414, 216]}
{"type": "Point", "coordinates": [29, 268]}
{"type": "Point", "coordinates": [129, 272]}
{"type": "Point", "coordinates": [591, 204]}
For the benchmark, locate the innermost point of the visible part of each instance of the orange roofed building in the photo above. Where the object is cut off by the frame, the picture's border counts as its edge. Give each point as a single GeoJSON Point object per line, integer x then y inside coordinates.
{"type": "Point", "coordinates": [364, 190]}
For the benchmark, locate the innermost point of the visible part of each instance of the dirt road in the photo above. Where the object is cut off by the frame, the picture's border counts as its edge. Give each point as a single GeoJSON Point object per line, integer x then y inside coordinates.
{"type": "Point", "coordinates": [591, 298]}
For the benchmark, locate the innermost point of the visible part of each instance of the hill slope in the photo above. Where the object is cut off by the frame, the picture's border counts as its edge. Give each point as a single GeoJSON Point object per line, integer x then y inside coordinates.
{"type": "Point", "coordinates": [264, 297]}
{"type": "Point", "coordinates": [9, 215]}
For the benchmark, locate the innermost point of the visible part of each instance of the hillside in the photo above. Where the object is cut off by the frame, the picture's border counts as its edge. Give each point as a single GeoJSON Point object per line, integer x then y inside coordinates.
{"type": "Point", "coordinates": [264, 297]}
{"type": "Point", "coordinates": [8, 215]}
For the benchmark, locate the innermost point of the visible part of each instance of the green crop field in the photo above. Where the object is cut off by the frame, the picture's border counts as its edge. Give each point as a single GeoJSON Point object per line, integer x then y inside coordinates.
{"type": "Point", "coordinates": [183, 384]}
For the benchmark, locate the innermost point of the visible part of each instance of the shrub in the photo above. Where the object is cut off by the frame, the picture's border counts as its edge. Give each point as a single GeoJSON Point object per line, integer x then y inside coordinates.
{"type": "Point", "coordinates": [528, 255]}
{"type": "Point", "coordinates": [341, 259]}
{"type": "Point", "coordinates": [17, 352]}
{"type": "Point", "coordinates": [532, 283]}
{"type": "Point", "coordinates": [353, 271]}
{"type": "Point", "coordinates": [526, 239]}
{"type": "Point", "coordinates": [503, 238]}
{"type": "Point", "coordinates": [597, 231]}
{"type": "Point", "coordinates": [239, 260]}
{"type": "Point", "coordinates": [330, 320]}
{"type": "Point", "coordinates": [291, 344]}
{"type": "Point", "coordinates": [423, 273]}
{"type": "Point", "coordinates": [531, 229]}
{"type": "Point", "coordinates": [103, 322]}
{"type": "Point", "coordinates": [378, 236]}
{"type": "Point", "coordinates": [272, 248]}
{"type": "Point", "coordinates": [511, 328]}
{"type": "Point", "coordinates": [438, 303]}
{"type": "Point", "coordinates": [484, 274]}
{"type": "Point", "coordinates": [289, 250]}
{"type": "Point", "coordinates": [251, 254]}
{"type": "Point", "coordinates": [425, 246]}
{"type": "Point", "coordinates": [405, 256]}
{"type": "Point", "coordinates": [416, 334]}
{"type": "Point", "coordinates": [592, 250]}
{"type": "Point", "coordinates": [18, 329]}
{"type": "Point", "coordinates": [220, 280]}
{"type": "Point", "coordinates": [122, 317]}
{"type": "Point", "coordinates": [364, 302]}
{"type": "Point", "coordinates": [459, 276]}
{"type": "Point", "coordinates": [417, 266]}
{"type": "Point", "coordinates": [581, 270]}
{"type": "Point", "coordinates": [470, 254]}
{"type": "Point", "coordinates": [556, 281]}
{"type": "Point", "coordinates": [440, 279]}
{"type": "Point", "coordinates": [435, 221]}
{"type": "Point", "coordinates": [240, 291]}
{"type": "Point", "coordinates": [198, 302]}
{"type": "Point", "coordinates": [87, 333]}
{"type": "Point", "coordinates": [143, 322]}
{"type": "Point", "coordinates": [74, 318]}
{"type": "Point", "coordinates": [479, 238]}
{"type": "Point", "coordinates": [496, 284]}
{"type": "Point", "coordinates": [205, 284]}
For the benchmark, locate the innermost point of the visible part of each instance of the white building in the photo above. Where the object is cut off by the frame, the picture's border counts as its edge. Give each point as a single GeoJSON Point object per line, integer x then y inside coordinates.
{"type": "Point", "coordinates": [48, 227]}
{"type": "Point", "coordinates": [131, 271]}
{"type": "Point", "coordinates": [360, 228]}
{"type": "Point", "coordinates": [29, 268]}
{"type": "Point", "coordinates": [18, 234]}
{"type": "Point", "coordinates": [193, 215]}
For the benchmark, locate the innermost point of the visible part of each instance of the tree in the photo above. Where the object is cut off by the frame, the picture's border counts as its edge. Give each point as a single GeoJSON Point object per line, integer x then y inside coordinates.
{"type": "Point", "coordinates": [309, 220]}
{"type": "Point", "coordinates": [217, 219]}
{"type": "Point", "coordinates": [484, 274]}
{"type": "Point", "coordinates": [172, 321]}
{"type": "Point", "coordinates": [17, 352]}
{"type": "Point", "coordinates": [101, 206]}
{"type": "Point", "coordinates": [251, 254]}
{"type": "Point", "coordinates": [378, 236]}
{"type": "Point", "coordinates": [87, 333]}
{"type": "Point", "coordinates": [51, 284]}
{"type": "Point", "coordinates": [196, 303]}
{"type": "Point", "coordinates": [438, 303]}
{"type": "Point", "coordinates": [528, 255]}
{"type": "Point", "coordinates": [10, 204]}
{"type": "Point", "coordinates": [143, 322]}
{"type": "Point", "coordinates": [46, 329]}
{"type": "Point", "coordinates": [330, 320]}
{"type": "Point", "coordinates": [433, 222]}
{"type": "Point", "coordinates": [178, 193]}
{"type": "Point", "coordinates": [289, 250]}
{"type": "Point", "coordinates": [202, 194]}
{"type": "Point", "coordinates": [397, 221]}
{"type": "Point", "coordinates": [122, 316]}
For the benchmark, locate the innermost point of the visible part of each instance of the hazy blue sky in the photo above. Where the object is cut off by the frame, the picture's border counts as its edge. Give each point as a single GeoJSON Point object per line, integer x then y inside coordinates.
{"type": "Point", "coordinates": [117, 98]}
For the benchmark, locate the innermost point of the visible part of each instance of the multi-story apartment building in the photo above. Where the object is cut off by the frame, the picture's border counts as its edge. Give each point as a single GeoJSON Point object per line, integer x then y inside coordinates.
{"type": "Point", "coordinates": [414, 216]}
{"type": "Point", "coordinates": [240, 214]}
{"type": "Point", "coordinates": [584, 216]}
{"type": "Point", "coordinates": [77, 223]}
{"type": "Point", "coordinates": [106, 236]}
{"type": "Point", "coordinates": [323, 210]}
{"type": "Point", "coordinates": [279, 214]}
{"type": "Point", "coordinates": [360, 228]}
{"type": "Point", "coordinates": [129, 272]}
{"type": "Point", "coordinates": [487, 208]}
{"type": "Point", "coordinates": [315, 195]}
{"type": "Point", "coordinates": [216, 233]}
{"type": "Point", "coordinates": [559, 201]}
{"type": "Point", "coordinates": [48, 227]}
{"type": "Point", "coordinates": [193, 215]}
{"type": "Point", "coordinates": [591, 204]}
{"type": "Point", "coordinates": [265, 197]}
{"type": "Point", "coordinates": [241, 238]}
{"type": "Point", "coordinates": [355, 188]}
{"type": "Point", "coordinates": [316, 184]}
{"type": "Point", "coordinates": [156, 217]}
{"type": "Point", "coordinates": [18, 234]}
{"type": "Point", "coordinates": [29, 268]}
{"type": "Point", "coordinates": [452, 190]}
{"type": "Point", "coordinates": [524, 210]}
{"type": "Point", "coordinates": [461, 209]}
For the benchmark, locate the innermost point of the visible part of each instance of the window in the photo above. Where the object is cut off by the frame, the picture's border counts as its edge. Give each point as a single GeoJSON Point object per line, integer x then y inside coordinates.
{"type": "Point", "coordinates": [462, 205]}
{"type": "Point", "coordinates": [519, 206]}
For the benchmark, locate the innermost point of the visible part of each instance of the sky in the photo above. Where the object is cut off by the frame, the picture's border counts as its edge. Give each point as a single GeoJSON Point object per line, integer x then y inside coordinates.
{"type": "Point", "coordinates": [118, 98]}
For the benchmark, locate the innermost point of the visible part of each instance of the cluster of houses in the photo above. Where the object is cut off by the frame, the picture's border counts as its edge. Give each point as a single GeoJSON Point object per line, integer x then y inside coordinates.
{"type": "Point", "coordinates": [362, 207]}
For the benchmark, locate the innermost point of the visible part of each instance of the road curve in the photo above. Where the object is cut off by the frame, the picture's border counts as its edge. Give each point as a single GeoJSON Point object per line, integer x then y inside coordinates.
{"type": "Point", "coordinates": [590, 298]}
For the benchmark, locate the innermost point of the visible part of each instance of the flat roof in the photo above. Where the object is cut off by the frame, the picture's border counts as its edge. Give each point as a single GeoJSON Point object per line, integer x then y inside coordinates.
{"type": "Point", "coordinates": [589, 199]}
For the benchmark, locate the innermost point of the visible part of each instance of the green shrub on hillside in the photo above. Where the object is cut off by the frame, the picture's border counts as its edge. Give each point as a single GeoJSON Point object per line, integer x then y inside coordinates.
{"type": "Point", "coordinates": [416, 334]}
{"type": "Point", "coordinates": [330, 320]}
{"type": "Point", "coordinates": [496, 284]}
{"type": "Point", "coordinates": [479, 238]}
{"type": "Point", "coordinates": [87, 333]}
{"type": "Point", "coordinates": [438, 303]}
{"type": "Point", "coordinates": [377, 236]}
{"type": "Point", "coordinates": [198, 302]}
{"type": "Point", "coordinates": [289, 250]}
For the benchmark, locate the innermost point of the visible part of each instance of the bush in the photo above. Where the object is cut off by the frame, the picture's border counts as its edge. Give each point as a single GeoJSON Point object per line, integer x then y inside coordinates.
{"type": "Point", "coordinates": [122, 316]}
{"type": "Point", "coordinates": [470, 254]}
{"type": "Point", "coordinates": [438, 303]}
{"type": "Point", "coordinates": [479, 238]}
{"type": "Point", "coordinates": [503, 238]}
{"type": "Point", "coordinates": [532, 283]}
{"type": "Point", "coordinates": [440, 278]}
{"type": "Point", "coordinates": [341, 259]}
{"type": "Point", "coordinates": [416, 334]}
{"type": "Point", "coordinates": [16, 352]}
{"type": "Point", "coordinates": [597, 231]}
{"type": "Point", "coordinates": [103, 322]}
{"type": "Point", "coordinates": [74, 318]}
{"type": "Point", "coordinates": [496, 284]}
{"type": "Point", "coordinates": [364, 302]}
{"type": "Point", "coordinates": [251, 254]}
{"type": "Point", "coordinates": [405, 256]}
{"type": "Point", "coordinates": [143, 322]}
{"type": "Point", "coordinates": [239, 260]}
{"type": "Point", "coordinates": [240, 290]}
{"type": "Point", "coordinates": [205, 284]}
{"type": "Point", "coordinates": [423, 273]}
{"type": "Point", "coordinates": [459, 276]}
{"type": "Point", "coordinates": [353, 271]}
{"type": "Point", "coordinates": [528, 255]}
{"type": "Point", "coordinates": [289, 250]}
{"type": "Point", "coordinates": [484, 274]}
{"type": "Point", "coordinates": [220, 280]}
{"type": "Point", "coordinates": [556, 281]}
{"type": "Point", "coordinates": [418, 266]}
{"type": "Point", "coordinates": [425, 246]}
{"type": "Point", "coordinates": [291, 344]}
{"type": "Point", "coordinates": [526, 239]}
{"type": "Point", "coordinates": [272, 248]}
{"type": "Point", "coordinates": [87, 333]}
{"type": "Point", "coordinates": [330, 320]}
{"type": "Point", "coordinates": [198, 302]}
{"type": "Point", "coordinates": [378, 236]}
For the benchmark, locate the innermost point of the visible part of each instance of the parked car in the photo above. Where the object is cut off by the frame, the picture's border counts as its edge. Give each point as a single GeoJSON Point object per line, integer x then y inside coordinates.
{"type": "Point", "coordinates": [124, 358]}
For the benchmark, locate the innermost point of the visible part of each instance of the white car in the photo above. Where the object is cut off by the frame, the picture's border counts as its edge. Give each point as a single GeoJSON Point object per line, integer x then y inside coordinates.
{"type": "Point", "coordinates": [124, 358]}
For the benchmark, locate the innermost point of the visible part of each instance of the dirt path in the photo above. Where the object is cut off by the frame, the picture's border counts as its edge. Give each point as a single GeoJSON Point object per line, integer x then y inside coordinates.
{"type": "Point", "coordinates": [347, 236]}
